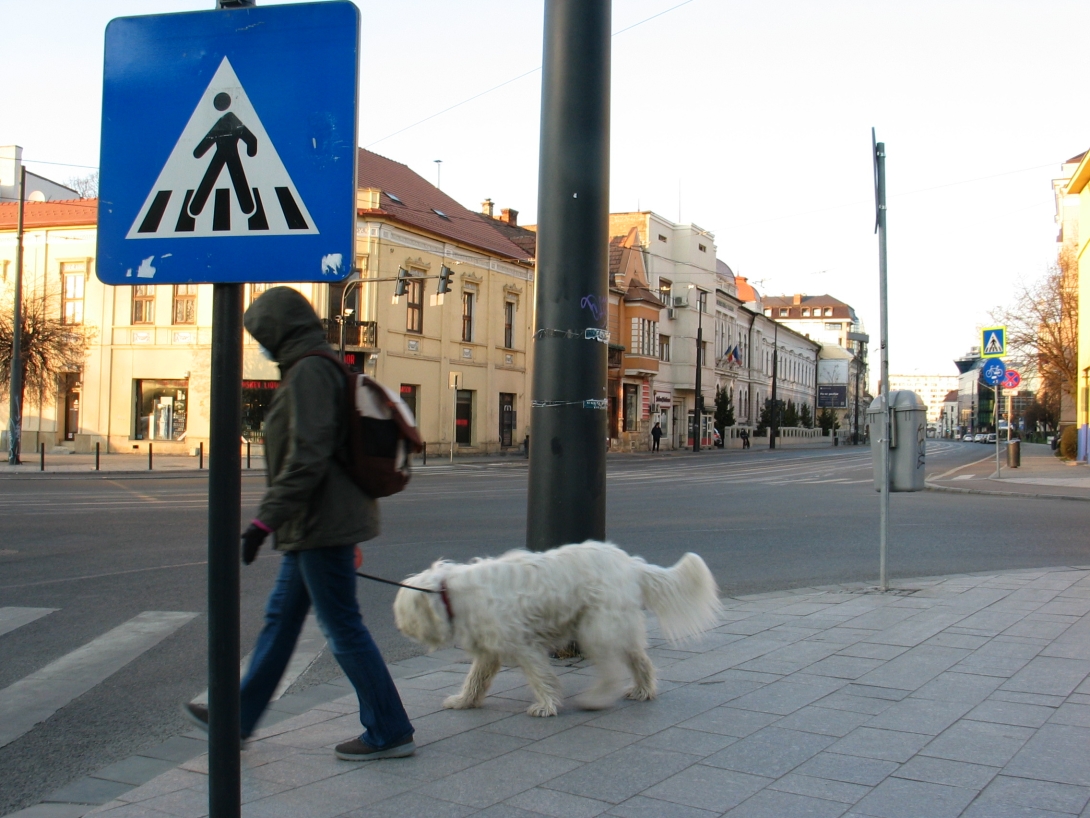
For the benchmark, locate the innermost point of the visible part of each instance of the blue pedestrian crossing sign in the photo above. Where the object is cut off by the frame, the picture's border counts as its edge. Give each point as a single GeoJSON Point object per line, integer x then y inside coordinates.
{"type": "Point", "coordinates": [229, 146]}
{"type": "Point", "coordinates": [993, 342]}
{"type": "Point", "coordinates": [993, 372]}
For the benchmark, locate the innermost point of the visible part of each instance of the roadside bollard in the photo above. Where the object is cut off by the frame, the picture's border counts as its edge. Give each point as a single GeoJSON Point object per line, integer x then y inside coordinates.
{"type": "Point", "coordinates": [149, 457]}
{"type": "Point", "coordinates": [247, 454]}
{"type": "Point", "coordinates": [425, 453]}
{"type": "Point", "coordinates": [200, 455]}
{"type": "Point", "coordinates": [96, 456]}
{"type": "Point", "coordinates": [41, 466]}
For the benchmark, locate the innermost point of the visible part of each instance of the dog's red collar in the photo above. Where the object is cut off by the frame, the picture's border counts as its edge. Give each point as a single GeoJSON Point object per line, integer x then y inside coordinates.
{"type": "Point", "coordinates": [446, 600]}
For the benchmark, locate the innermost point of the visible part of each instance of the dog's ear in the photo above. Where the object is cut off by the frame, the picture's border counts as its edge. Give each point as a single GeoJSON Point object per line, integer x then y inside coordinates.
{"type": "Point", "coordinates": [417, 616]}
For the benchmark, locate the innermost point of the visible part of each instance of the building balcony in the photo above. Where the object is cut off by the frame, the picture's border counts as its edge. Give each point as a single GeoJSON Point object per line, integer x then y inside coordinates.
{"type": "Point", "coordinates": [357, 334]}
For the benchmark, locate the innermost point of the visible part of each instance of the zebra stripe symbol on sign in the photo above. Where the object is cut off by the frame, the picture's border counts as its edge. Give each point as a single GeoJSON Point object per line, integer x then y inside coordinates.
{"type": "Point", "coordinates": [194, 197]}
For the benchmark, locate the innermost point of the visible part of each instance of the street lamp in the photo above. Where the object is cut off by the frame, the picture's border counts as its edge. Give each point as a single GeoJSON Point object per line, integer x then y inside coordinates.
{"type": "Point", "coordinates": [774, 430]}
{"type": "Point", "coordinates": [698, 403]}
{"type": "Point", "coordinates": [343, 317]}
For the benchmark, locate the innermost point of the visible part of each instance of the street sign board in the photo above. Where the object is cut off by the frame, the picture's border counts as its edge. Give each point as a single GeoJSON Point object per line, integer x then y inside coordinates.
{"type": "Point", "coordinates": [993, 372]}
{"type": "Point", "coordinates": [993, 342]}
{"type": "Point", "coordinates": [832, 396]}
{"type": "Point", "coordinates": [1012, 379]}
{"type": "Point", "coordinates": [229, 146]}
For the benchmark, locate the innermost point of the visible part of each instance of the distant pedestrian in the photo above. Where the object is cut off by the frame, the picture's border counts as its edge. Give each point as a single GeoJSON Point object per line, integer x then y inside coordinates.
{"type": "Point", "coordinates": [744, 434]}
{"type": "Point", "coordinates": [317, 515]}
{"type": "Point", "coordinates": [656, 436]}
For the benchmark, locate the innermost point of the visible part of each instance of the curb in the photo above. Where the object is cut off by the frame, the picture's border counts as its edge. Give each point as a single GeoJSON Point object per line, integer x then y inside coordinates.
{"type": "Point", "coordinates": [957, 490]}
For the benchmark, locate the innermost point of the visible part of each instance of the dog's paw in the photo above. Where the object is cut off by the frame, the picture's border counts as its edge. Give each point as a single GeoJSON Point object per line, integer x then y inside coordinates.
{"type": "Point", "coordinates": [640, 694]}
{"type": "Point", "coordinates": [458, 703]}
{"type": "Point", "coordinates": [542, 710]}
{"type": "Point", "coordinates": [595, 701]}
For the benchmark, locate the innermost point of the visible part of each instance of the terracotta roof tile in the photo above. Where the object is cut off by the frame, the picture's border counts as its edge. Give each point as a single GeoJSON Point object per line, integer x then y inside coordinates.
{"type": "Point", "coordinates": [63, 213]}
{"type": "Point", "coordinates": [420, 204]}
{"type": "Point", "coordinates": [522, 236]}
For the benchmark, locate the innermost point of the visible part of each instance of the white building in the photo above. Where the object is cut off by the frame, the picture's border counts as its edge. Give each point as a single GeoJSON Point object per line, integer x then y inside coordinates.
{"type": "Point", "coordinates": [932, 389]}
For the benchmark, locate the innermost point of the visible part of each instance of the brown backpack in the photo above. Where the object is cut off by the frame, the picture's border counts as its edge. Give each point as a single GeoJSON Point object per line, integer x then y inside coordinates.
{"type": "Point", "coordinates": [382, 434]}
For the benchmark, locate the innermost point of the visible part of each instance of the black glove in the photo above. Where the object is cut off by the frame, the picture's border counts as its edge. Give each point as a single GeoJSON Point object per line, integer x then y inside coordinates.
{"type": "Point", "coordinates": [252, 538]}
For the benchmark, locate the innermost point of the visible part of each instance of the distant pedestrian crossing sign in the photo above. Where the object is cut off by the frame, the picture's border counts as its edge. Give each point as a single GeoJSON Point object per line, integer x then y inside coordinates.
{"type": "Point", "coordinates": [993, 342]}
{"type": "Point", "coordinates": [229, 146]}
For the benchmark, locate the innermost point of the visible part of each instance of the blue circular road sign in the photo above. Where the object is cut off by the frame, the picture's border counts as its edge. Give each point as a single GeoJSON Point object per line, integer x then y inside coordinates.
{"type": "Point", "coordinates": [993, 372]}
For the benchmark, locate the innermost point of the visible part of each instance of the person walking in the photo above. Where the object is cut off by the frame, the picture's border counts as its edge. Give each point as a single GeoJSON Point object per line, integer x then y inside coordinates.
{"type": "Point", "coordinates": [656, 436]}
{"type": "Point", "coordinates": [744, 434]}
{"type": "Point", "coordinates": [316, 515]}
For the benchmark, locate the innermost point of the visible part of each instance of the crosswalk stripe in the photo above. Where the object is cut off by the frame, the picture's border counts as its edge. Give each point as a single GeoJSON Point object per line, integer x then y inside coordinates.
{"type": "Point", "coordinates": [36, 697]}
{"type": "Point", "coordinates": [310, 644]}
{"type": "Point", "coordinates": [12, 618]}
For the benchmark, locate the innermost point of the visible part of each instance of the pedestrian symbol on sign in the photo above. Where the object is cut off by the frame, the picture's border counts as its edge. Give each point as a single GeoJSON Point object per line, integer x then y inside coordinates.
{"type": "Point", "coordinates": [993, 342]}
{"type": "Point", "coordinates": [176, 206]}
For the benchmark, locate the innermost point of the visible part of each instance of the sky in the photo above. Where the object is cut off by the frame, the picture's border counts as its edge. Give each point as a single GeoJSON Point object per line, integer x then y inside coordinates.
{"type": "Point", "coordinates": [751, 120]}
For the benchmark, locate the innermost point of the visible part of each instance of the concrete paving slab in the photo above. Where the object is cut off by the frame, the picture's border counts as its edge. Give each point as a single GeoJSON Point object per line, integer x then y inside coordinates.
{"type": "Point", "coordinates": [813, 709]}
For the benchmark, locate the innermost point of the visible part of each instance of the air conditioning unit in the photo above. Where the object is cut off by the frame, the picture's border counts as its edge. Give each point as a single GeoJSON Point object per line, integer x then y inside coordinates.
{"type": "Point", "coordinates": [671, 314]}
{"type": "Point", "coordinates": [680, 301]}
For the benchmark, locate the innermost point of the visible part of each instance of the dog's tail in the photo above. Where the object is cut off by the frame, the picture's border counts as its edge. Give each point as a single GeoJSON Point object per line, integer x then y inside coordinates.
{"type": "Point", "coordinates": [685, 597]}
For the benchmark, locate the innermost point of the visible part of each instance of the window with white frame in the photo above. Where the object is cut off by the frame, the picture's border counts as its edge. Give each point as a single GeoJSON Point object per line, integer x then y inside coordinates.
{"type": "Point", "coordinates": [73, 277]}
{"type": "Point", "coordinates": [645, 336]}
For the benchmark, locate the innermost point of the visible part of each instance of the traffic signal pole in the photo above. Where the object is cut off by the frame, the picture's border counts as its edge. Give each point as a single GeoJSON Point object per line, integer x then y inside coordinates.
{"type": "Point", "coordinates": [569, 405]}
{"type": "Point", "coordinates": [880, 227]}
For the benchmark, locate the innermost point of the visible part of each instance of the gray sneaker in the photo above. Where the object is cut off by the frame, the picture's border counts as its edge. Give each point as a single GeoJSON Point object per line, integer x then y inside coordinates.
{"type": "Point", "coordinates": [358, 750]}
{"type": "Point", "coordinates": [198, 714]}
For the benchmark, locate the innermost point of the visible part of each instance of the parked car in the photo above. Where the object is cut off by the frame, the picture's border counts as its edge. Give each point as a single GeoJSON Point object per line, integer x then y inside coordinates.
{"type": "Point", "coordinates": [980, 438]}
{"type": "Point", "coordinates": [991, 437]}
{"type": "Point", "coordinates": [967, 437]}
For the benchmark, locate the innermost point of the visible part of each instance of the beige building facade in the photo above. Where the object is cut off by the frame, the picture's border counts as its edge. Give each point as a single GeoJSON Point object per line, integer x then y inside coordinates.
{"type": "Point", "coordinates": [460, 361]}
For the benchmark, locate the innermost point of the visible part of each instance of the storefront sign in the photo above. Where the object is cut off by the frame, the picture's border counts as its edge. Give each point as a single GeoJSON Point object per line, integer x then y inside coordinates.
{"type": "Point", "coordinates": [663, 400]}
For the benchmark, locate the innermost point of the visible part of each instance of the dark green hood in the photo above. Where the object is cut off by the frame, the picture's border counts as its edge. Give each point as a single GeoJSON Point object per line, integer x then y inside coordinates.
{"type": "Point", "coordinates": [283, 322]}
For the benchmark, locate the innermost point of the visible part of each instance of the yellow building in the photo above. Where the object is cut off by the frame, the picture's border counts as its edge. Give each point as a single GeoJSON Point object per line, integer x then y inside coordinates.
{"type": "Point", "coordinates": [146, 376]}
{"type": "Point", "coordinates": [1080, 186]}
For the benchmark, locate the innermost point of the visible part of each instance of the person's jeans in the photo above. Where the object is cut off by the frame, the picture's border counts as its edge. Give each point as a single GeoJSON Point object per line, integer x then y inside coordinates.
{"type": "Point", "coordinates": [326, 577]}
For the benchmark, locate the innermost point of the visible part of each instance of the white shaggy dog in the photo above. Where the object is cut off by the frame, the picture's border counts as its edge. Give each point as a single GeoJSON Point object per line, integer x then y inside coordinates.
{"type": "Point", "coordinates": [515, 608]}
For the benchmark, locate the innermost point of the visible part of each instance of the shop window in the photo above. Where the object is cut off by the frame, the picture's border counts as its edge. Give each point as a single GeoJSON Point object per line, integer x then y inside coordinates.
{"type": "Point", "coordinates": [509, 324]}
{"type": "Point", "coordinates": [414, 315]}
{"type": "Point", "coordinates": [257, 396]}
{"type": "Point", "coordinates": [143, 304]}
{"type": "Point", "coordinates": [468, 299]}
{"type": "Point", "coordinates": [631, 407]}
{"type": "Point", "coordinates": [410, 393]}
{"type": "Point", "coordinates": [463, 418]}
{"type": "Point", "coordinates": [185, 304]}
{"type": "Point", "coordinates": [257, 289]}
{"type": "Point", "coordinates": [161, 409]}
{"type": "Point", "coordinates": [73, 278]}
{"type": "Point", "coordinates": [507, 419]}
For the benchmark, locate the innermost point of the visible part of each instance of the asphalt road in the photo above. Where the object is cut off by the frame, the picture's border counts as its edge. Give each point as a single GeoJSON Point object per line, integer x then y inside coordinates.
{"type": "Point", "coordinates": [103, 550]}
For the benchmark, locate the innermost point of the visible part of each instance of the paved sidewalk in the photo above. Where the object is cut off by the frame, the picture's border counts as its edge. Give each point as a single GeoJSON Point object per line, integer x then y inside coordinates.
{"type": "Point", "coordinates": [1041, 474]}
{"type": "Point", "coordinates": [959, 695]}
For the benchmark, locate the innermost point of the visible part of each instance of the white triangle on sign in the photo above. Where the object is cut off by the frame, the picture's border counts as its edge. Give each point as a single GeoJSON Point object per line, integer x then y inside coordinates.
{"type": "Point", "coordinates": [994, 346]}
{"type": "Point", "coordinates": [224, 177]}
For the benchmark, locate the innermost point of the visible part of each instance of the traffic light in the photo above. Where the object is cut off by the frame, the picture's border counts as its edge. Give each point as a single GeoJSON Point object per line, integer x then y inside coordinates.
{"type": "Point", "coordinates": [402, 285]}
{"type": "Point", "coordinates": [445, 275]}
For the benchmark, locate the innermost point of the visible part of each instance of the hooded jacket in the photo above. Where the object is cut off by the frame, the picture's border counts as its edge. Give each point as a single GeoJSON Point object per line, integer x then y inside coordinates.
{"type": "Point", "coordinates": [311, 502]}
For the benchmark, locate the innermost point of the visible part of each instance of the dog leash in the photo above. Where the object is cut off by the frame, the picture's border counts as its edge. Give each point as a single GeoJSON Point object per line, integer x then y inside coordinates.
{"type": "Point", "coordinates": [442, 590]}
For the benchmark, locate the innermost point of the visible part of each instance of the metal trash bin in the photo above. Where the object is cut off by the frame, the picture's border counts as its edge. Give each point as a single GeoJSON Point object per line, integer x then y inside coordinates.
{"type": "Point", "coordinates": [1014, 453]}
{"type": "Point", "coordinates": [908, 443]}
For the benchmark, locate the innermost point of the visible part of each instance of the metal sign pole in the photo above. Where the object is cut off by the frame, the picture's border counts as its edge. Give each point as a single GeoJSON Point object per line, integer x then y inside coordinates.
{"type": "Point", "coordinates": [995, 414]}
{"type": "Point", "coordinates": [224, 502]}
{"type": "Point", "coordinates": [567, 491]}
{"type": "Point", "coordinates": [880, 202]}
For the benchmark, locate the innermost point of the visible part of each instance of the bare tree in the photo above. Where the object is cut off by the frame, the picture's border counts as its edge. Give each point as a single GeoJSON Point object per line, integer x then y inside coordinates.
{"type": "Point", "coordinates": [86, 186]}
{"type": "Point", "coordinates": [1043, 325]}
{"type": "Point", "coordinates": [49, 347]}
